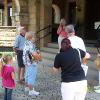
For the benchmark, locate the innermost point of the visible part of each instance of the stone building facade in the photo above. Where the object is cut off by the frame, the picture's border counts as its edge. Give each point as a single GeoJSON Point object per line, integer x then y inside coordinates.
{"type": "Point", "coordinates": [38, 14]}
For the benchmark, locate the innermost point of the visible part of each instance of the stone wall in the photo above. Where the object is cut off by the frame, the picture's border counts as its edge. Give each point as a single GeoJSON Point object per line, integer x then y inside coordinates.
{"type": "Point", "coordinates": [36, 15]}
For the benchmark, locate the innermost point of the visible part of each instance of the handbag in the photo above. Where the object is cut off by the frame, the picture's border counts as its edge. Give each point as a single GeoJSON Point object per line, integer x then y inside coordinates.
{"type": "Point", "coordinates": [97, 62]}
{"type": "Point", "coordinates": [84, 66]}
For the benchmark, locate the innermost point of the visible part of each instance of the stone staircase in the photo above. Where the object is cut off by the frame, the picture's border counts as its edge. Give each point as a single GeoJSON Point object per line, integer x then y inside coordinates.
{"type": "Point", "coordinates": [49, 52]}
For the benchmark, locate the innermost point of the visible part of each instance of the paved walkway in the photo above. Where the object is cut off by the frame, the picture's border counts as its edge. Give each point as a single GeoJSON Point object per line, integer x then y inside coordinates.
{"type": "Point", "coordinates": [48, 83]}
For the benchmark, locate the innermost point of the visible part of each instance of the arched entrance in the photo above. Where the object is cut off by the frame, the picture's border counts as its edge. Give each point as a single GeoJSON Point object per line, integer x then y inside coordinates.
{"type": "Point", "coordinates": [56, 14]}
{"type": "Point", "coordinates": [92, 15]}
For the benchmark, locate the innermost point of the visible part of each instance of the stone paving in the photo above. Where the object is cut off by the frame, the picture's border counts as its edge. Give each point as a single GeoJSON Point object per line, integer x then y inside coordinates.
{"type": "Point", "coordinates": [48, 84]}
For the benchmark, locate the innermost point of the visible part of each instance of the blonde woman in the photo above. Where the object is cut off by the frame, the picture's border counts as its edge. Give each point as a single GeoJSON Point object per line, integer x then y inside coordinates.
{"type": "Point", "coordinates": [30, 59]}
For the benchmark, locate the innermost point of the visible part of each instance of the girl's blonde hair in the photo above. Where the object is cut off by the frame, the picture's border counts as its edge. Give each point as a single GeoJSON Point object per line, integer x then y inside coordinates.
{"type": "Point", "coordinates": [6, 58]}
{"type": "Point", "coordinates": [29, 34]}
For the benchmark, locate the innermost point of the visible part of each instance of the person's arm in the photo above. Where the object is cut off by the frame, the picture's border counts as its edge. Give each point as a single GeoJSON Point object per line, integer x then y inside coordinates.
{"type": "Point", "coordinates": [55, 69]}
{"type": "Point", "coordinates": [56, 64]}
{"type": "Point", "coordinates": [13, 75]}
{"type": "Point", "coordinates": [34, 53]}
{"type": "Point", "coordinates": [36, 56]}
{"type": "Point", "coordinates": [59, 29]}
{"type": "Point", "coordinates": [14, 49]}
{"type": "Point", "coordinates": [16, 44]}
{"type": "Point", "coordinates": [85, 56]}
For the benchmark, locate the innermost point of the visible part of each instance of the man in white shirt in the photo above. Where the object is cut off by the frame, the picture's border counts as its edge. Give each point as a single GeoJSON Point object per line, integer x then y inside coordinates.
{"type": "Point", "coordinates": [76, 42]}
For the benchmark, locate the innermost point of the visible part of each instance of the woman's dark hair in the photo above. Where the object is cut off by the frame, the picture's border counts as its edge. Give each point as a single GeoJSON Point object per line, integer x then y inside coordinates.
{"type": "Point", "coordinates": [65, 44]}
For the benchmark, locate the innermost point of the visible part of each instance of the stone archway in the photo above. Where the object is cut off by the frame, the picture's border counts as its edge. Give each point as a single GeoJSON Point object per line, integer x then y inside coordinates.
{"type": "Point", "coordinates": [56, 13]}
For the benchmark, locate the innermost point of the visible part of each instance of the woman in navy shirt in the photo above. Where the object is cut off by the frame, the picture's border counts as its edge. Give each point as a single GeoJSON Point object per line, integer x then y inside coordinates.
{"type": "Point", "coordinates": [74, 83]}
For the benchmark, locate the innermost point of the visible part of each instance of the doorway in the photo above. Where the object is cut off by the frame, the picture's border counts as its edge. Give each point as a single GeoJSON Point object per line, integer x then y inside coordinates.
{"type": "Point", "coordinates": [72, 13]}
{"type": "Point", "coordinates": [92, 15]}
{"type": "Point", "coordinates": [55, 22]}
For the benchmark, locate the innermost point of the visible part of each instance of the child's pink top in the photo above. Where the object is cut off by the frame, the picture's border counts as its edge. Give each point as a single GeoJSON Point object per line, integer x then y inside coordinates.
{"type": "Point", "coordinates": [7, 81]}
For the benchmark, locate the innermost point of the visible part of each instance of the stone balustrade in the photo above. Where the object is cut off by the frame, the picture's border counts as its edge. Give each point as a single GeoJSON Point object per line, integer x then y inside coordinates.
{"type": "Point", "coordinates": [7, 36]}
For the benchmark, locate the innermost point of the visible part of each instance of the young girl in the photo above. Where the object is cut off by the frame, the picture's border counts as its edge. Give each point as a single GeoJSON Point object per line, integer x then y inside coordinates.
{"type": "Point", "coordinates": [7, 73]}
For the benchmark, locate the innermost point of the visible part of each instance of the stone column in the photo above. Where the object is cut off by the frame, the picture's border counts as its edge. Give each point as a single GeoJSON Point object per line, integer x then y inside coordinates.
{"type": "Point", "coordinates": [13, 13]}
{"type": "Point", "coordinates": [45, 19]}
{"type": "Point", "coordinates": [5, 12]}
{"type": "Point", "coordinates": [23, 15]}
{"type": "Point", "coordinates": [34, 15]}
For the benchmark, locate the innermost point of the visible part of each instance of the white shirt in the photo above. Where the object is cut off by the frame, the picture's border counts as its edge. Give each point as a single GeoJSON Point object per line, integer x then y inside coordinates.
{"type": "Point", "coordinates": [77, 42]}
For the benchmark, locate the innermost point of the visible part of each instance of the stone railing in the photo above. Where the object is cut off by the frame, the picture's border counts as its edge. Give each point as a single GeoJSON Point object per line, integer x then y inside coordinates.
{"type": "Point", "coordinates": [7, 36]}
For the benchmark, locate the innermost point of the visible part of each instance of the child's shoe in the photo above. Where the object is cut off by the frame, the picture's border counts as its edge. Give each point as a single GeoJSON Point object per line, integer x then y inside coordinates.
{"type": "Point", "coordinates": [33, 92]}
{"type": "Point", "coordinates": [26, 89]}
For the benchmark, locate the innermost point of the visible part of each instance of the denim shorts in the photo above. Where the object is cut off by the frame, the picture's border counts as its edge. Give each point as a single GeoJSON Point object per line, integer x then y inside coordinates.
{"type": "Point", "coordinates": [30, 74]}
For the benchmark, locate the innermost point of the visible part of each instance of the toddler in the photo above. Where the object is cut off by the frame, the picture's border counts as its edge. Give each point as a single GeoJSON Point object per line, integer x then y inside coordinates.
{"type": "Point", "coordinates": [7, 74]}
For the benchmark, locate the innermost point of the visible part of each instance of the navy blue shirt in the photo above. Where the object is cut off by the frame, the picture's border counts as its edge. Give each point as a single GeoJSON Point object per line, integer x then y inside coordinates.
{"type": "Point", "coordinates": [70, 65]}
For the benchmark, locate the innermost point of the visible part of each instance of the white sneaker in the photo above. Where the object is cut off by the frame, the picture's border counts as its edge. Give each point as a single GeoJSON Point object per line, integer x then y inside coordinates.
{"type": "Point", "coordinates": [97, 87]}
{"type": "Point", "coordinates": [26, 89]}
{"type": "Point", "coordinates": [97, 91]}
{"type": "Point", "coordinates": [33, 92]}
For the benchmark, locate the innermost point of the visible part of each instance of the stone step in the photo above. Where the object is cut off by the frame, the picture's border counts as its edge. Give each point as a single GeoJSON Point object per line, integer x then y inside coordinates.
{"type": "Point", "coordinates": [49, 50]}
{"type": "Point", "coordinates": [53, 45]}
{"type": "Point", "coordinates": [47, 55]}
{"type": "Point", "coordinates": [92, 50]}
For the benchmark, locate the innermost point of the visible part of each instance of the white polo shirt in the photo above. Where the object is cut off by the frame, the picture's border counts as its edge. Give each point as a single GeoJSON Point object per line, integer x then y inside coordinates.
{"type": "Point", "coordinates": [77, 42]}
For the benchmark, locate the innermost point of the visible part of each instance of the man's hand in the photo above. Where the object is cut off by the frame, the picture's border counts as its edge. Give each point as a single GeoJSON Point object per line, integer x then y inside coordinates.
{"type": "Point", "coordinates": [14, 49]}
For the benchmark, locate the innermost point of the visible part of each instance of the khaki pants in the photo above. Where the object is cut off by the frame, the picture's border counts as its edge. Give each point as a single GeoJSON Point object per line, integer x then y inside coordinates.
{"type": "Point", "coordinates": [74, 90]}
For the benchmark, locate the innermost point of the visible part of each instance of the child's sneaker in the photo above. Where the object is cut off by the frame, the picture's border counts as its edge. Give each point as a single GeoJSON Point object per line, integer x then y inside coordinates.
{"type": "Point", "coordinates": [33, 92]}
{"type": "Point", "coordinates": [26, 89]}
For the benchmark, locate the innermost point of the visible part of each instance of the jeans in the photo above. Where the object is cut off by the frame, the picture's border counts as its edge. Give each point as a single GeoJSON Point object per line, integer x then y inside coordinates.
{"type": "Point", "coordinates": [8, 94]}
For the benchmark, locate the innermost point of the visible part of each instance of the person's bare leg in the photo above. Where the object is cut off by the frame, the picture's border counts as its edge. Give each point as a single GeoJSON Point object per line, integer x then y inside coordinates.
{"type": "Point", "coordinates": [22, 73]}
{"type": "Point", "coordinates": [19, 72]}
{"type": "Point", "coordinates": [30, 87]}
